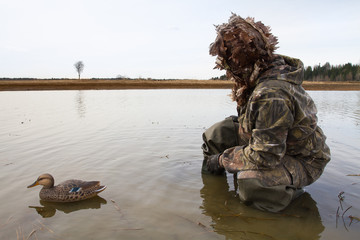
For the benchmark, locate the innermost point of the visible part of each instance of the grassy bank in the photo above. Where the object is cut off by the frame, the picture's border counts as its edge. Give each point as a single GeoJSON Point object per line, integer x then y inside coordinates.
{"type": "Point", "coordinates": [93, 84]}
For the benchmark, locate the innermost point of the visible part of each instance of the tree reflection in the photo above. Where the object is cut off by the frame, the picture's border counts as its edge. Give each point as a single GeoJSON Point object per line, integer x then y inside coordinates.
{"type": "Point", "coordinates": [81, 107]}
{"type": "Point", "coordinates": [234, 220]}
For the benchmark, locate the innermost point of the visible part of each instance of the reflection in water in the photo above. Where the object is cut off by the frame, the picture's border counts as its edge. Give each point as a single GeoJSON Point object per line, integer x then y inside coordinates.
{"type": "Point", "coordinates": [116, 133]}
{"type": "Point", "coordinates": [48, 209]}
{"type": "Point", "coordinates": [340, 107]}
{"type": "Point", "coordinates": [234, 220]}
{"type": "Point", "coordinates": [81, 107]}
{"type": "Point", "coordinates": [357, 110]}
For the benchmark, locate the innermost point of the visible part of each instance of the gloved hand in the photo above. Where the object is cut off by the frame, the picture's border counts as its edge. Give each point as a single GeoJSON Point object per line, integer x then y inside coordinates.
{"type": "Point", "coordinates": [213, 165]}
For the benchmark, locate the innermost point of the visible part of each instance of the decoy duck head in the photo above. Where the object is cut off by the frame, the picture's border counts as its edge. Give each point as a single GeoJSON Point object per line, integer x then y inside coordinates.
{"type": "Point", "coordinates": [44, 179]}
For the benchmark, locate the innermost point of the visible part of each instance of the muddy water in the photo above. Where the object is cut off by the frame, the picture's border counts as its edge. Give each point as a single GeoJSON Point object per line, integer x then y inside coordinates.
{"type": "Point", "coordinates": [145, 146]}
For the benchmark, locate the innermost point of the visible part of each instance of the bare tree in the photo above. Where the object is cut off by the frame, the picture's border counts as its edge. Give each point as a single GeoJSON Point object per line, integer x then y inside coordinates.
{"type": "Point", "coordinates": [79, 66]}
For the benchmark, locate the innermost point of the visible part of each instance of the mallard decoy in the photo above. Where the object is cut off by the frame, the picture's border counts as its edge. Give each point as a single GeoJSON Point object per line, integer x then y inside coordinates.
{"type": "Point", "coordinates": [68, 191]}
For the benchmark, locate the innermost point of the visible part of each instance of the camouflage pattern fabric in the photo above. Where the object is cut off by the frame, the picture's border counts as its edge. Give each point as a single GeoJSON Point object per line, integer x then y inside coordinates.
{"type": "Point", "coordinates": [279, 124]}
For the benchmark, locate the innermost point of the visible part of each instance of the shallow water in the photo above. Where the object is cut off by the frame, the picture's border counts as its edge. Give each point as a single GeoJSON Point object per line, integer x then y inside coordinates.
{"type": "Point", "coordinates": [145, 146]}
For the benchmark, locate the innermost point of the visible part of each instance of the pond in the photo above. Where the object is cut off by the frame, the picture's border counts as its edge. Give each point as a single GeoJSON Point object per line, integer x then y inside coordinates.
{"type": "Point", "coordinates": [144, 145]}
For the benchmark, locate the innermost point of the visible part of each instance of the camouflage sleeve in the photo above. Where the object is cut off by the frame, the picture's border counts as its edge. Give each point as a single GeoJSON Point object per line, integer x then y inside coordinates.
{"type": "Point", "coordinates": [268, 119]}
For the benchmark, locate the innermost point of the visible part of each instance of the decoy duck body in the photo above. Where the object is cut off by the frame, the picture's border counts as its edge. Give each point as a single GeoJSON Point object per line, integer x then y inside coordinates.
{"type": "Point", "coordinates": [68, 191]}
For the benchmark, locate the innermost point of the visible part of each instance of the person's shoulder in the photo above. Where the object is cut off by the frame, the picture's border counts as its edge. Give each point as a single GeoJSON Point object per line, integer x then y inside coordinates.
{"type": "Point", "coordinates": [271, 89]}
{"type": "Point", "coordinates": [272, 83]}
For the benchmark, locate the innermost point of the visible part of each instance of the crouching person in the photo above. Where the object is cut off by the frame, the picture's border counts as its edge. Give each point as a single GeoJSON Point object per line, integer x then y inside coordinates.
{"type": "Point", "coordinates": [274, 145]}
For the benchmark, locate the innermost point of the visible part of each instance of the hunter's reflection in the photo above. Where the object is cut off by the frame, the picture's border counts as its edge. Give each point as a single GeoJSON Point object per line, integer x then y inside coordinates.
{"type": "Point", "coordinates": [48, 209]}
{"type": "Point", "coordinates": [234, 220]}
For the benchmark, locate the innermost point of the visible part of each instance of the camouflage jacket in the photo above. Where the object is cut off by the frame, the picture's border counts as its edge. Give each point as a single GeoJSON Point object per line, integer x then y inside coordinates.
{"type": "Point", "coordinates": [279, 119]}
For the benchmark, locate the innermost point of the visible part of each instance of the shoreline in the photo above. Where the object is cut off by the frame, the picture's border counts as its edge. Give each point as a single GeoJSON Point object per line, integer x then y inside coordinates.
{"type": "Point", "coordinates": [113, 84]}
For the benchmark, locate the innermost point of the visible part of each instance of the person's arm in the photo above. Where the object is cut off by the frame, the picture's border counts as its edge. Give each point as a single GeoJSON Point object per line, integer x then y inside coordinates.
{"type": "Point", "coordinates": [270, 118]}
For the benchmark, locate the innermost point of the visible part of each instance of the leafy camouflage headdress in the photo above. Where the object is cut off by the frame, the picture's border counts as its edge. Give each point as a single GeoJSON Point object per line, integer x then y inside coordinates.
{"type": "Point", "coordinates": [244, 48]}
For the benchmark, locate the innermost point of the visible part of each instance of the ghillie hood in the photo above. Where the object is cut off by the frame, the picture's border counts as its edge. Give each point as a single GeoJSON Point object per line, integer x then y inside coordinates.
{"type": "Point", "coordinates": [244, 48]}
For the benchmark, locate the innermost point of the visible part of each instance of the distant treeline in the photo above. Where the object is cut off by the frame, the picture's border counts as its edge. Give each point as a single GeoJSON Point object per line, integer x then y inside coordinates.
{"type": "Point", "coordinates": [327, 72]}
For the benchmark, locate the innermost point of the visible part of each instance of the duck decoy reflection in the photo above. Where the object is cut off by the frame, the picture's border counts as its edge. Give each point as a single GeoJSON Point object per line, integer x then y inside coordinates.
{"type": "Point", "coordinates": [48, 209]}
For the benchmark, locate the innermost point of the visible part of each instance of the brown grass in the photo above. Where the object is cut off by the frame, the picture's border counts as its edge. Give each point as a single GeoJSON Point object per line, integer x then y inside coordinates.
{"type": "Point", "coordinates": [93, 84]}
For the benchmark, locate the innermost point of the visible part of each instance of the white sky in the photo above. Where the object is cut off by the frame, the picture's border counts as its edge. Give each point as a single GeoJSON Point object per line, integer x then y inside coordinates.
{"type": "Point", "coordinates": [162, 38]}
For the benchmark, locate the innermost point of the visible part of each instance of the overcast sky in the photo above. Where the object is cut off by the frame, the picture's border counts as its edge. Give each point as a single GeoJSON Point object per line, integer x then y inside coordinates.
{"type": "Point", "coordinates": [162, 38]}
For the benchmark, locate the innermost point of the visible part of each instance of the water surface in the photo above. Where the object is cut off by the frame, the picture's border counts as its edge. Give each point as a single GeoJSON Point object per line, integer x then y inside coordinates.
{"type": "Point", "coordinates": [145, 146]}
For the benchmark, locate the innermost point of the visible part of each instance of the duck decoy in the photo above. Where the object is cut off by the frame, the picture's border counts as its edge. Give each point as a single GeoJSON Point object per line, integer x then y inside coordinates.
{"type": "Point", "coordinates": [68, 191]}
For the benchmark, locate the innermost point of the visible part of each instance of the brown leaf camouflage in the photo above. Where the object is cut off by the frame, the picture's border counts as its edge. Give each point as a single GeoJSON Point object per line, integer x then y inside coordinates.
{"type": "Point", "coordinates": [244, 48]}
